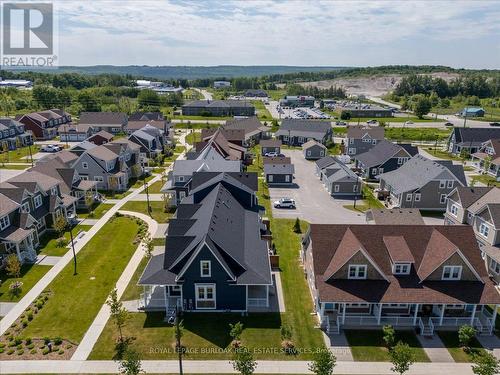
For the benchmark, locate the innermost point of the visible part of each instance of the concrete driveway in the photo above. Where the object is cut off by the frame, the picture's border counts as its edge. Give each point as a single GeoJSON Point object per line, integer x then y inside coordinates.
{"type": "Point", "coordinates": [314, 204]}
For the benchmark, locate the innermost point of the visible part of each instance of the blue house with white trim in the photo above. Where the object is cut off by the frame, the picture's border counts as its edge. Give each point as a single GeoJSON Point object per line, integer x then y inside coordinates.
{"type": "Point", "coordinates": [215, 258]}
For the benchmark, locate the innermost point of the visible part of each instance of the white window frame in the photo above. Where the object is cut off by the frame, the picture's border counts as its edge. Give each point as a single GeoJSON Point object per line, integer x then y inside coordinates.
{"type": "Point", "coordinates": [495, 266]}
{"type": "Point", "coordinates": [484, 230]}
{"type": "Point", "coordinates": [418, 196]}
{"type": "Point", "coordinates": [53, 190]}
{"type": "Point", "coordinates": [451, 270]}
{"type": "Point", "coordinates": [85, 165]}
{"type": "Point", "coordinates": [270, 178]}
{"type": "Point", "coordinates": [205, 289]}
{"type": "Point", "coordinates": [442, 199]}
{"type": "Point", "coordinates": [205, 263]}
{"type": "Point", "coordinates": [25, 207]}
{"type": "Point", "coordinates": [287, 178]}
{"type": "Point", "coordinates": [401, 268]}
{"type": "Point", "coordinates": [37, 201]}
{"type": "Point", "coordinates": [357, 268]}
{"type": "Point", "coordinates": [84, 178]}
{"type": "Point", "coordinates": [308, 153]}
{"type": "Point", "coordinates": [374, 141]}
{"type": "Point", "coordinates": [442, 184]}
{"type": "Point", "coordinates": [352, 151]}
{"type": "Point", "coordinates": [409, 197]}
{"type": "Point", "coordinates": [99, 178]}
{"type": "Point", "coordinates": [351, 141]}
{"type": "Point", "coordinates": [4, 222]}
{"type": "Point", "coordinates": [454, 210]}
{"type": "Point", "coordinates": [449, 184]}
{"type": "Point", "coordinates": [182, 194]}
{"type": "Point", "coordinates": [336, 188]}
{"type": "Point", "coordinates": [180, 178]}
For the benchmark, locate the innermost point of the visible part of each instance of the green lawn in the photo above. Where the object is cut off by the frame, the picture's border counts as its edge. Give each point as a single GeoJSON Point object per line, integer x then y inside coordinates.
{"type": "Point", "coordinates": [17, 156]}
{"type": "Point", "coordinates": [440, 153]}
{"type": "Point", "coordinates": [14, 166]}
{"type": "Point", "coordinates": [262, 112]}
{"type": "Point", "coordinates": [395, 119]}
{"type": "Point", "coordinates": [133, 291]}
{"type": "Point", "coordinates": [485, 179]}
{"type": "Point", "coordinates": [157, 209]}
{"type": "Point", "coordinates": [115, 194]}
{"type": "Point", "coordinates": [30, 274]}
{"type": "Point", "coordinates": [99, 211]}
{"type": "Point", "coordinates": [368, 345]}
{"type": "Point", "coordinates": [417, 134]}
{"type": "Point", "coordinates": [193, 137]}
{"type": "Point", "coordinates": [48, 242]}
{"type": "Point", "coordinates": [76, 299]}
{"type": "Point", "coordinates": [137, 183]}
{"type": "Point", "coordinates": [155, 187]}
{"type": "Point", "coordinates": [369, 201]}
{"type": "Point", "coordinates": [450, 340]}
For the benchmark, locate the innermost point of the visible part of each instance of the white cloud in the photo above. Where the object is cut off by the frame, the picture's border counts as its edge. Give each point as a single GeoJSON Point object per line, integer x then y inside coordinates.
{"type": "Point", "coordinates": [269, 32]}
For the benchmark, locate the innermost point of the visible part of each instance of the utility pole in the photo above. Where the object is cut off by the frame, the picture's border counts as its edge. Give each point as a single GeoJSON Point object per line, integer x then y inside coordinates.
{"type": "Point", "coordinates": [146, 188]}
{"type": "Point", "coordinates": [73, 248]}
{"type": "Point", "coordinates": [465, 117]}
{"type": "Point", "coordinates": [31, 155]}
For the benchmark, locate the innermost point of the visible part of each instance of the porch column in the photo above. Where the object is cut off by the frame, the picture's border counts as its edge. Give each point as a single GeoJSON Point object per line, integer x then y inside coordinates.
{"type": "Point", "coordinates": [380, 305]}
{"type": "Point", "coordinates": [166, 298]}
{"type": "Point", "coordinates": [322, 311]}
{"type": "Point", "coordinates": [267, 295]}
{"type": "Point", "coordinates": [343, 313]}
{"type": "Point", "coordinates": [145, 296]}
{"type": "Point", "coordinates": [473, 315]}
{"type": "Point", "coordinates": [415, 315]}
{"type": "Point", "coordinates": [442, 314]}
{"type": "Point", "coordinates": [18, 252]}
{"type": "Point", "coordinates": [494, 318]}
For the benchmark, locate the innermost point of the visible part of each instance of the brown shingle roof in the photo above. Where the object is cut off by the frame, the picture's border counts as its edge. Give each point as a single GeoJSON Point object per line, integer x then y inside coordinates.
{"type": "Point", "coordinates": [398, 249]}
{"type": "Point", "coordinates": [277, 160]}
{"type": "Point", "coordinates": [326, 240]}
{"type": "Point", "coordinates": [396, 216]}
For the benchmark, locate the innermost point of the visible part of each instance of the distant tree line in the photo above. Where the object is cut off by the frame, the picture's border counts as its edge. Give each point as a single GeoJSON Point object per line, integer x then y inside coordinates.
{"type": "Point", "coordinates": [330, 92]}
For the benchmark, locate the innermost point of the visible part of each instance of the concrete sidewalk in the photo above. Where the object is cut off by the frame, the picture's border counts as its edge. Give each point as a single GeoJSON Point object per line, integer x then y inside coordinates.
{"type": "Point", "coordinates": [435, 349]}
{"type": "Point", "coordinates": [94, 331]}
{"type": "Point", "coordinates": [225, 367]}
{"type": "Point", "coordinates": [44, 282]}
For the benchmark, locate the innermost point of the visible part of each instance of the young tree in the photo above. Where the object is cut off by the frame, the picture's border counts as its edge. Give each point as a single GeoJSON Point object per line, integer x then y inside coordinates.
{"type": "Point", "coordinates": [243, 362]}
{"type": "Point", "coordinates": [131, 363]}
{"type": "Point", "coordinates": [287, 343]}
{"type": "Point", "coordinates": [118, 312]}
{"type": "Point", "coordinates": [148, 244]}
{"type": "Point", "coordinates": [89, 202]}
{"type": "Point", "coordinates": [485, 364]}
{"type": "Point", "coordinates": [389, 336]}
{"type": "Point", "coordinates": [235, 331]}
{"type": "Point", "coordinates": [296, 226]}
{"type": "Point", "coordinates": [60, 224]}
{"type": "Point", "coordinates": [323, 363]}
{"type": "Point", "coordinates": [465, 335]}
{"type": "Point", "coordinates": [13, 266]}
{"type": "Point", "coordinates": [401, 358]}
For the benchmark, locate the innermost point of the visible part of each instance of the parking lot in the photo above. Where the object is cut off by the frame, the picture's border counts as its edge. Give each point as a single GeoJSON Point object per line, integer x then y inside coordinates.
{"type": "Point", "coordinates": [296, 113]}
{"type": "Point", "coordinates": [314, 204]}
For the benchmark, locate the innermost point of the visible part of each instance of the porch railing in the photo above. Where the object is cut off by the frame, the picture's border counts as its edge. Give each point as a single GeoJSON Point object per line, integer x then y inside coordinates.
{"type": "Point", "coordinates": [454, 322]}
{"type": "Point", "coordinates": [257, 302]}
{"type": "Point", "coordinates": [146, 300]}
{"type": "Point", "coordinates": [371, 320]}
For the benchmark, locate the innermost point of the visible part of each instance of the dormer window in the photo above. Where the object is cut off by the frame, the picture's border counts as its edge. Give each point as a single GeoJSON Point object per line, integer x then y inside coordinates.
{"type": "Point", "coordinates": [484, 230]}
{"type": "Point", "coordinates": [205, 268]}
{"type": "Point", "coordinates": [25, 207]}
{"type": "Point", "coordinates": [401, 268]}
{"type": "Point", "coordinates": [53, 190]}
{"type": "Point", "coordinates": [452, 273]}
{"type": "Point", "coordinates": [85, 165]}
{"type": "Point", "coordinates": [454, 210]}
{"type": "Point", "coordinates": [357, 271]}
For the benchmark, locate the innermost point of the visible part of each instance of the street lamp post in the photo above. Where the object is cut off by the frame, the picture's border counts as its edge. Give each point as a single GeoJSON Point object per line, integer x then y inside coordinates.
{"type": "Point", "coordinates": [146, 188]}
{"type": "Point", "coordinates": [73, 248]}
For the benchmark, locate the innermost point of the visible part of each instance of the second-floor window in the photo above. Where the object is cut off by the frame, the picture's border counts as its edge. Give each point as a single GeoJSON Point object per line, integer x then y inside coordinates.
{"type": "Point", "coordinates": [452, 272]}
{"type": "Point", "coordinates": [442, 184]}
{"type": "Point", "coordinates": [357, 271]}
{"type": "Point", "coordinates": [442, 198]}
{"type": "Point", "coordinates": [495, 266]}
{"type": "Point", "coordinates": [205, 268]}
{"type": "Point", "coordinates": [4, 222]}
{"type": "Point", "coordinates": [401, 269]}
{"type": "Point", "coordinates": [25, 207]}
{"type": "Point", "coordinates": [484, 229]}
{"type": "Point", "coordinates": [85, 165]}
{"type": "Point", "coordinates": [454, 209]}
{"type": "Point", "coordinates": [38, 201]}
{"type": "Point", "coordinates": [449, 184]}
{"type": "Point", "coordinates": [53, 191]}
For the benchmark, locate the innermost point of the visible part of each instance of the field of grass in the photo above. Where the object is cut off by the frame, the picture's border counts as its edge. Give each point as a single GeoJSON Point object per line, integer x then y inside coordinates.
{"type": "Point", "coordinates": [276, 94]}
{"type": "Point", "coordinates": [262, 112]}
{"type": "Point", "coordinates": [388, 120]}
{"type": "Point", "coordinates": [155, 187]}
{"type": "Point", "coordinates": [14, 166]}
{"type": "Point", "coordinates": [440, 153]}
{"type": "Point", "coordinates": [368, 345]}
{"type": "Point", "coordinates": [133, 291]}
{"type": "Point", "coordinates": [30, 274]}
{"type": "Point", "coordinates": [76, 299]}
{"type": "Point", "coordinates": [99, 211]}
{"type": "Point", "coordinates": [193, 137]}
{"type": "Point", "coordinates": [157, 209]}
{"type": "Point", "coordinates": [18, 155]}
{"type": "Point", "coordinates": [485, 179]}
{"type": "Point", "coordinates": [417, 134]}
{"type": "Point", "coordinates": [137, 183]}
{"type": "Point", "coordinates": [48, 242]}
{"type": "Point", "coordinates": [450, 340]}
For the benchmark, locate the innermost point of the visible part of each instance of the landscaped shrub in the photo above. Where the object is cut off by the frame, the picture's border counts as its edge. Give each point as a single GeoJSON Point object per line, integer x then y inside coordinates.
{"type": "Point", "coordinates": [28, 340]}
{"type": "Point", "coordinates": [20, 352]}
{"type": "Point", "coordinates": [19, 347]}
{"type": "Point", "coordinates": [39, 305]}
{"type": "Point", "coordinates": [24, 323]}
{"type": "Point", "coordinates": [69, 346]}
{"type": "Point", "coordinates": [60, 352]}
{"type": "Point", "coordinates": [465, 335]}
{"type": "Point", "coordinates": [13, 325]}
{"type": "Point", "coordinates": [30, 316]}
{"type": "Point", "coordinates": [46, 340]}
{"type": "Point", "coordinates": [10, 351]}
{"type": "Point", "coordinates": [45, 351]}
{"type": "Point", "coordinates": [2, 350]}
{"type": "Point", "coordinates": [12, 344]}
{"type": "Point", "coordinates": [58, 341]}
{"type": "Point", "coordinates": [33, 351]}
{"type": "Point", "coordinates": [10, 338]}
{"type": "Point", "coordinates": [2, 345]}
{"type": "Point", "coordinates": [287, 343]}
{"type": "Point", "coordinates": [45, 297]}
{"type": "Point", "coordinates": [18, 340]}
{"type": "Point", "coordinates": [30, 346]}
{"type": "Point", "coordinates": [389, 336]}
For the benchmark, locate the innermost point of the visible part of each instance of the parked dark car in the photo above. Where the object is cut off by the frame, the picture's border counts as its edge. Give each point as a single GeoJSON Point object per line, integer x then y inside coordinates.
{"type": "Point", "coordinates": [448, 124]}
{"type": "Point", "coordinates": [494, 123]}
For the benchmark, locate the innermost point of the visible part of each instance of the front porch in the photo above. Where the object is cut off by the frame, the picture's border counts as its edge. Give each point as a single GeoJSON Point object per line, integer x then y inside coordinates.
{"type": "Point", "coordinates": [21, 242]}
{"type": "Point", "coordinates": [426, 318]}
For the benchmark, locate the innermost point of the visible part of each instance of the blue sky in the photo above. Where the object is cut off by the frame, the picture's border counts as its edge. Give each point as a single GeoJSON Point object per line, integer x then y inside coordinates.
{"type": "Point", "coordinates": [236, 32]}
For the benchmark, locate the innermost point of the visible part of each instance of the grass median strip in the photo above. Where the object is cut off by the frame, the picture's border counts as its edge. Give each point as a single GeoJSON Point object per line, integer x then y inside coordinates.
{"type": "Point", "coordinates": [157, 209]}
{"type": "Point", "coordinates": [30, 274]}
{"type": "Point", "coordinates": [76, 299]}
